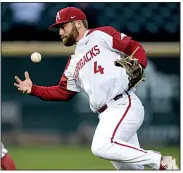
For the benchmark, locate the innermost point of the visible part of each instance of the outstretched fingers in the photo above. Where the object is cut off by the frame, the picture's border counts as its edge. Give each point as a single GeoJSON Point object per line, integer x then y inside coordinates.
{"type": "Point", "coordinates": [17, 79]}
{"type": "Point", "coordinates": [16, 85]}
{"type": "Point", "coordinates": [25, 91]}
{"type": "Point", "coordinates": [20, 88]}
{"type": "Point", "coordinates": [26, 75]}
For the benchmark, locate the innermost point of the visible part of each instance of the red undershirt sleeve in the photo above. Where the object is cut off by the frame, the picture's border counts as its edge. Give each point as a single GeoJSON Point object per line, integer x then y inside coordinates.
{"type": "Point", "coordinates": [54, 93]}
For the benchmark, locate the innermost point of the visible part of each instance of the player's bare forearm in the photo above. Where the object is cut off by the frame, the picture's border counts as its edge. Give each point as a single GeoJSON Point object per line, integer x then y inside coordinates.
{"type": "Point", "coordinates": [139, 54]}
{"type": "Point", "coordinates": [52, 93]}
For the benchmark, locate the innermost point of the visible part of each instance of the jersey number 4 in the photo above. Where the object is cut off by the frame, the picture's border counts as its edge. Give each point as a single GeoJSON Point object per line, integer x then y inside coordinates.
{"type": "Point", "coordinates": [98, 68]}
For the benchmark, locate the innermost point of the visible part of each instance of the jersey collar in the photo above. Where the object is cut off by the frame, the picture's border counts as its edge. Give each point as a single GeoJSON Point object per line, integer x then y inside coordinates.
{"type": "Point", "coordinates": [85, 34]}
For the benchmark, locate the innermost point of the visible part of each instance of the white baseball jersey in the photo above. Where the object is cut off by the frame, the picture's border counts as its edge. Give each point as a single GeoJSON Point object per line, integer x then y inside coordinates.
{"type": "Point", "coordinates": [3, 150]}
{"type": "Point", "coordinates": [91, 68]}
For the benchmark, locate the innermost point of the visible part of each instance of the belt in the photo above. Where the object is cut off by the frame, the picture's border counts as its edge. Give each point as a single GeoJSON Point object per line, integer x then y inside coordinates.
{"type": "Point", "coordinates": [103, 108]}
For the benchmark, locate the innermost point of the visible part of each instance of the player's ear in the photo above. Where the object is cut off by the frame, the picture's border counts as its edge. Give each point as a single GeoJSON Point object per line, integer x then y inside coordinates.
{"type": "Point", "coordinates": [78, 24]}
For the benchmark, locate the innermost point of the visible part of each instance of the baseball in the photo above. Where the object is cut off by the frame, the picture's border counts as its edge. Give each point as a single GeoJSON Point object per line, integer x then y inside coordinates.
{"type": "Point", "coordinates": [36, 57]}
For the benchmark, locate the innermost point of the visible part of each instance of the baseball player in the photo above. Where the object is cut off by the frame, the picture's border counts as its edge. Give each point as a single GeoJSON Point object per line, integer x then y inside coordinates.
{"type": "Point", "coordinates": [7, 163]}
{"type": "Point", "coordinates": [100, 68]}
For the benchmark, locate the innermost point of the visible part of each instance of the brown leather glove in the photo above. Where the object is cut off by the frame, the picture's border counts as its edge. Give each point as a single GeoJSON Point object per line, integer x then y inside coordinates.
{"type": "Point", "coordinates": [134, 70]}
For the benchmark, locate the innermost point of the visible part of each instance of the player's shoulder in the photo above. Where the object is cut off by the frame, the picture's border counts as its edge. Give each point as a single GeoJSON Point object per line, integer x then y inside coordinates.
{"type": "Point", "coordinates": [109, 30]}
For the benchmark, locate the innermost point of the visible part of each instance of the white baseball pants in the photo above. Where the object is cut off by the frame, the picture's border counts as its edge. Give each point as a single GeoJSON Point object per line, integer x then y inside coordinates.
{"type": "Point", "coordinates": [115, 138]}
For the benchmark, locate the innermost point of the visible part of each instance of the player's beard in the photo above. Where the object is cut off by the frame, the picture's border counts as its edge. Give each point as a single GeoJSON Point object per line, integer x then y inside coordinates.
{"type": "Point", "coordinates": [70, 40]}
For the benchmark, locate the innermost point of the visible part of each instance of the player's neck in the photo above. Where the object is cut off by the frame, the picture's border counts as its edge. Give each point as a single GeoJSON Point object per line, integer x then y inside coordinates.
{"type": "Point", "coordinates": [81, 34]}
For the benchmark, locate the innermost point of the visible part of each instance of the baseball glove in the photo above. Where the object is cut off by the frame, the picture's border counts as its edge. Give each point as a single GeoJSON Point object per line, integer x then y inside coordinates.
{"type": "Point", "coordinates": [134, 70]}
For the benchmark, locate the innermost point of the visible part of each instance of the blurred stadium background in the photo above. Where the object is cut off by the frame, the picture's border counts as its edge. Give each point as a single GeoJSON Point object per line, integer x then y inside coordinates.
{"type": "Point", "coordinates": [57, 135]}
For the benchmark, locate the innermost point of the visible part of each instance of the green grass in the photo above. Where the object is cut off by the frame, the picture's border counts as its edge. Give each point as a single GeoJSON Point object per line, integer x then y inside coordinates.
{"type": "Point", "coordinates": [67, 158]}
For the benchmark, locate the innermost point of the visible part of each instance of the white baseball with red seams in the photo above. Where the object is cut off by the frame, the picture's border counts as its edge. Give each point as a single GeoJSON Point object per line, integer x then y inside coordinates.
{"type": "Point", "coordinates": [91, 69]}
{"type": "Point", "coordinates": [36, 57]}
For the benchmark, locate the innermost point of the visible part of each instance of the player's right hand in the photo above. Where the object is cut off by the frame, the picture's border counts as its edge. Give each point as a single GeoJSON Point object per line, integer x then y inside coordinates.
{"type": "Point", "coordinates": [24, 86]}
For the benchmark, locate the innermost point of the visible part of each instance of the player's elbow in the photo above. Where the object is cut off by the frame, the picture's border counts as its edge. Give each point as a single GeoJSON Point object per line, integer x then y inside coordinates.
{"type": "Point", "coordinates": [140, 54]}
{"type": "Point", "coordinates": [68, 98]}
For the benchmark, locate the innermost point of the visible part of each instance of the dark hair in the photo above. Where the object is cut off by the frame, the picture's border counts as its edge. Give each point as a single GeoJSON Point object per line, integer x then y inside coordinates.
{"type": "Point", "coordinates": [85, 23]}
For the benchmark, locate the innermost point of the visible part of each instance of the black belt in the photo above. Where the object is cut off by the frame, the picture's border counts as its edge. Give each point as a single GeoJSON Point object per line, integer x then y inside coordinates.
{"type": "Point", "coordinates": [103, 108]}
